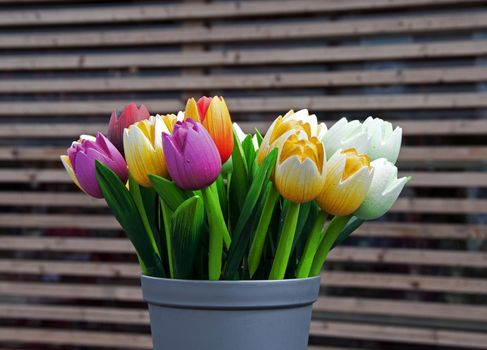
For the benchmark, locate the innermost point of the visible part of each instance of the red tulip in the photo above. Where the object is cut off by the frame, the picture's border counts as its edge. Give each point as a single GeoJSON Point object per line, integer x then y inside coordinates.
{"type": "Point", "coordinates": [130, 115]}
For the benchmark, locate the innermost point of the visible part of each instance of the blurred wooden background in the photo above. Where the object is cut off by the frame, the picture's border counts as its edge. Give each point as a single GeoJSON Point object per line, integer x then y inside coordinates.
{"type": "Point", "coordinates": [414, 280]}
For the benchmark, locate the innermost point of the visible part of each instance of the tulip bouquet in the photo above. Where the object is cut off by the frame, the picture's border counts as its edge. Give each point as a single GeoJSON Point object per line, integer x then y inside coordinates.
{"type": "Point", "coordinates": [200, 199]}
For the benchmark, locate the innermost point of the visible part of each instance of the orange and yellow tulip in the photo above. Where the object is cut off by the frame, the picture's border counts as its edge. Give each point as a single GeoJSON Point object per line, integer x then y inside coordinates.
{"type": "Point", "coordinates": [215, 117]}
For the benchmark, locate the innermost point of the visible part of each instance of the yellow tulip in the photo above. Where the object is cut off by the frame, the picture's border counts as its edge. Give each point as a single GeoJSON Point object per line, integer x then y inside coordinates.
{"type": "Point", "coordinates": [142, 143]}
{"type": "Point", "coordinates": [348, 179]}
{"type": "Point", "coordinates": [283, 127]}
{"type": "Point", "coordinates": [300, 169]}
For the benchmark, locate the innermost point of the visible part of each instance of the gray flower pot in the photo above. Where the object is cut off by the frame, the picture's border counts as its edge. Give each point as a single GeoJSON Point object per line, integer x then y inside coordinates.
{"type": "Point", "coordinates": [230, 315]}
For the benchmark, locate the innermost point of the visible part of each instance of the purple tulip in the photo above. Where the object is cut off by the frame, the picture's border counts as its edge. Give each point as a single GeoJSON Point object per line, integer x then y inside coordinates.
{"type": "Point", "coordinates": [192, 158]}
{"type": "Point", "coordinates": [130, 115]}
{"type": "Point", "coordinates": [80, 162]}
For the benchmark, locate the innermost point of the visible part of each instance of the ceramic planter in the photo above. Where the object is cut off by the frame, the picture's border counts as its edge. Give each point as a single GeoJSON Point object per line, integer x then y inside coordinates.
{"type": "Point", "coordinates": [224, 315]}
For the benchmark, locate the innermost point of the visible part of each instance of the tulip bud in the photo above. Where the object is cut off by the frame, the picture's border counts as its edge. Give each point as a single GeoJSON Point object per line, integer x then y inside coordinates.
{"type": "Point", "coordinates": [344, 135]}
{"type": "Point", "coordinates": [384, 141]}
{"type": "Point", "coordinates": [191, 155]}
{"type": "Point", "coordinates": [80, 162]}
{"type": "Point", "coordinates": [348, 179]}
{"type": "Point", "coordinates": [283, 127]}
{"type": "Point", "coordinates": [300, 169]}
{"type": "Point", "coordinates": [383, 191]}
{"type": "Point", "coordinates": [143, 147]}
{"type": "Point", "coordinates": [215, 117]}
{"type": "Point", "coordinates": [130, 115]}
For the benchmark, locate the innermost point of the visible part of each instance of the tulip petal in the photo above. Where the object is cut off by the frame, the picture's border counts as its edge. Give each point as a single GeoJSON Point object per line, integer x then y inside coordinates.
{"type": "Point", "coordinates": [191, 110]}
{"type": "Point", "coordinates": [299, 182]}
{"type": "Point", "coordinates": [69, 169]}
{"type": "Point", "coordinates": [86, 174]}
{"type": "Point", "coordinates": [343, 196]}
{"type": "Point", "coordinates": [383, 192]}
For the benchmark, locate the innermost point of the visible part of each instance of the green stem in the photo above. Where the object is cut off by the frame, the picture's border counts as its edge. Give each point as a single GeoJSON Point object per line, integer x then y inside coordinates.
{"type": "Point", "coordinates": [217, 229]}
{"type": "Point", "coordinates": [334, 229]}
{"type": "Point", "coordinates": [166, 219]}
{"type": "Point", "coordinates": [314, 240]}
{"type": "Point", "coordinates": [226, 235]}
{"type": "Point", "coordinates": [284, 246]}
{"type": "Point", "coordinates": [257, 245]}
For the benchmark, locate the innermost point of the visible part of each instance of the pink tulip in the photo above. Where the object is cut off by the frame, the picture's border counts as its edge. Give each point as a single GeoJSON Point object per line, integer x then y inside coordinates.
{"type": "Point", "coordinates": [192, 158]}
{"type": "Point", "coordinates": [81, 160]}
{"type": "Point", "coordinates": [130, 115]}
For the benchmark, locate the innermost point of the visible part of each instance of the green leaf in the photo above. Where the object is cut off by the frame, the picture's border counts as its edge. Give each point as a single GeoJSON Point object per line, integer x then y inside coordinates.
{"type": "Point", "coordinates": [222, 195]}
{"type": "Point", "coordinates": [186, 231]}
{"type": "Point", "coordinates": [145, 200]}
{"type": "Point", "coordinates": [249, 150]}
{"type": "Point", "coordinates": [169, 192]}
{"type": "Point", "coordinates": [239, 184]}
{"type": "Point", "coordinates": [125, 211]}
{"type": "Point", "coordinates": [259, 136]}
{"type": "Point", "coordinates": [240, 235]}
{"type": "Point", "coordinates": [352, 225]}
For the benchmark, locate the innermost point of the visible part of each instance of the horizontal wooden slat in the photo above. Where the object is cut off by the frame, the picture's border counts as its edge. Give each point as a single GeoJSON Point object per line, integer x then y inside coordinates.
{"type": "Point", "coordinates": [248, 81]}
{"type": "Point", "coordinates": [270, 104]}
{"type": "Point", "coordinates": [245, 57]}
{"type": "Point", "coordinates": [340, 254]}
{"type": "Point", "coordinates": [327, 329]}
{"type": "Point", "coordinates": [410, 256]}
{"type": "Point", "coordinates": [75, 313]}
{"type": "Point", "coordinates": [83, 15]}
{"type": "Point", "coordinates": [428, 310]}
{"type": "Point", "coordinates": [422, 230]}
{"type": "Point", "coordinates": [410, 128]}
{"type": "Point", "coordinates": [251, 32]}
{"type": "Point", "coordinates": [440, 206]}
{"type": "Point", "coordinates": [34, 176]}
{"type": "Point", "coordinates": [107, 222]}
{"type": "Point", "coordinates": [417, 309]}
{"type": "Point", "coordinates": [43, 221]}
{"type": "Point", "coordinates": [420, 283]}
{"type": "Point", "coordinates": [443, 153]}
{"type": "Point", "coordinates": [408, 154]}
{"type": "Point", "coordinates": [404, 282]}
{"type": "Point", "coordinates": [407, 205]}
{"type": "Point", "coordinates": [446, 179]}
{"type": "Point", "coordinates": [64, 244]}
{"type": "Point", "coordinates": [419, 179]}
{"type": "Point", "coordinates": [410, 335]}
{"type": "Point", "coordinates": [50, 199]}
{"type": "Point", "coordinates": [80, 338]}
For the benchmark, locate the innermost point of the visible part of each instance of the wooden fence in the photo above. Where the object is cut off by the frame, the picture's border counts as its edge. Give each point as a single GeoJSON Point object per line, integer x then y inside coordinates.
{"type": "Point", "coordinates": [416, 279]}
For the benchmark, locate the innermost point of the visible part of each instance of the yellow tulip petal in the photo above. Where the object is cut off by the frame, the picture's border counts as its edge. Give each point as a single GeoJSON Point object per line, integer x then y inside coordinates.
{"type": "Point", "coordinates": [191, 110]}
{"type": "Point", "coordinates": [69, 169]}
{"type": "Point", "coordinates": [143, 150]}
{"type": "Point", "coordinates": [298, 181]}
{"type": "Point", "coordinates": [342, 196]}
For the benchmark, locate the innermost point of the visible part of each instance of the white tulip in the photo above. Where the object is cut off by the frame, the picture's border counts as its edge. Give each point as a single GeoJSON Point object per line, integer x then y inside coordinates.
{"type": "Point", "coordinates": [383, 191]}
{"type": "Point", "coordinates": [344, 135]}
{"type": "Point", "coordinates": [384, 141]}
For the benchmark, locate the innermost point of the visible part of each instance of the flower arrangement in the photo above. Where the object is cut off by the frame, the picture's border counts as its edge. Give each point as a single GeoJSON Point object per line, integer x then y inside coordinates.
{"type": "Point", "coordinates": [200, 199]}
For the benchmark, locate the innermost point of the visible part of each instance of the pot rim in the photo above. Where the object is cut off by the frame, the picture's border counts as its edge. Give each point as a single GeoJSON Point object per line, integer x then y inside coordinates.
{"type": "Point", "coordinates": [241, 294]}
